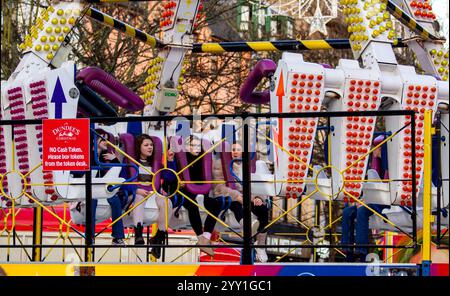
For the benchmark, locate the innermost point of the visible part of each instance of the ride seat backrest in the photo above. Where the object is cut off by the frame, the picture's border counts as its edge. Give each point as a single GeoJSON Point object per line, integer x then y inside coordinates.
{"type": "Point", "coordinates": [178, 146]}
{"type": "Point", "coordinates": [225, 160]}
{"type": "Point", "coordinates": [109, 87]}
{"type": "Point", "coordinates": [128, 142]}
{"type": "Point", "coordinates": [377, 162]}
{"type": "Point", "coordinates": [110, 137]}
{"type": "Point", "coordinates": [253, 163]}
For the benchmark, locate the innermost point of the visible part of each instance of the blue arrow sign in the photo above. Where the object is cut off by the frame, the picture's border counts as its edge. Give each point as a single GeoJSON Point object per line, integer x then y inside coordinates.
{"type": "Point", "coordinates": [58, 98]}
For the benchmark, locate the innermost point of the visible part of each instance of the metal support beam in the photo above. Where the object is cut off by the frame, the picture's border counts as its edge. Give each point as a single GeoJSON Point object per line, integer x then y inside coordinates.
{"type": "Point", "coordinates": [123, 27]}
{"type": "Point", "coordinates": [280, 45]}
{"type": "Point", "coordinates": [37, 234]}
{"type": "Point", "coordinates": [427, 216]}
{"type": "Point", "coordinates": [247, 257]}
{"type": "Point", "coordinates": [88, 255]}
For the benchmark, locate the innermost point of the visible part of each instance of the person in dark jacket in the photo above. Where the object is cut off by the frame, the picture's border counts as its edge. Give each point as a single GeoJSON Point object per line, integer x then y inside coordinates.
{"type": "Point", "coordinates": [194, 150]}
{"type": "Point", "coordinates": [115, 202]}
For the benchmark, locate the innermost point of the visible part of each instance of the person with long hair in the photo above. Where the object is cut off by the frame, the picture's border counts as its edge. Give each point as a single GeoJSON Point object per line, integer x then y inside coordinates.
{"type": "Point", "coordinates": [144, 151]}
{"type": "Point", "coordinates": [258, 206]}
{"type": "Point", "coordinates": [193, 148]}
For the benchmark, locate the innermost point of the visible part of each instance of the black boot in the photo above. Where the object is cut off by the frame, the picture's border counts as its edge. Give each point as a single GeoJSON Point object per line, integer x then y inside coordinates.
{"type": "Point", "coordinates": [138, 239]}
{"type": "Point", "coordinates": [158, 239]}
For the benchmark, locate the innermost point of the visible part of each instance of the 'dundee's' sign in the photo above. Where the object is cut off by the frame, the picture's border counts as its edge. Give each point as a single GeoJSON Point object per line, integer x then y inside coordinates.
{"type": "Point", "coordinates": [65, 145]}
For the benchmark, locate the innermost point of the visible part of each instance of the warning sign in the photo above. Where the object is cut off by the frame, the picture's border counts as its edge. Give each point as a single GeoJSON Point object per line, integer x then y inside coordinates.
{"type": "Point", "coordinates": [66, 144]}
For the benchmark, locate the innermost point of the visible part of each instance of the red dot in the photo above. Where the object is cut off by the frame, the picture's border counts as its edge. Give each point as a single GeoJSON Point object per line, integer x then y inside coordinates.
{"type": "Point", "coordinates": [353, 82]}
{"type": "Point", "coordinates": [319, 77]}
{"type": "Point", "coordinates": [295, 75]}
{"type": "Point", "coordinates": [294, 82]}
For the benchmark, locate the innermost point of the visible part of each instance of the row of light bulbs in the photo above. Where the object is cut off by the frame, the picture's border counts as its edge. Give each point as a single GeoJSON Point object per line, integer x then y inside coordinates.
{"type": "Point", "coordinates": [52, 30]}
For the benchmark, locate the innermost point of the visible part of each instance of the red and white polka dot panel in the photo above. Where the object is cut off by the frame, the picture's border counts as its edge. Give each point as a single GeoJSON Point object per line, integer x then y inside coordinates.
{"type": "Point", "coordinates": [359, 95]}
{"type": "Point", "coordinates": [419, 98]}
{"type": "Point", "coordinates": [422, 10]}
{"type": "Point", "coordinates": [305, 94]}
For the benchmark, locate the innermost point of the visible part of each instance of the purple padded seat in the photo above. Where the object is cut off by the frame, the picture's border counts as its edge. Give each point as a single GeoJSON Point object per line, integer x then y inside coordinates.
{"type": "Point", "coordinates": [181, 158]}
{"type": "Point", "coordinates": [263, 68]}
{"type": "Point", "coordinates": [106, 85]}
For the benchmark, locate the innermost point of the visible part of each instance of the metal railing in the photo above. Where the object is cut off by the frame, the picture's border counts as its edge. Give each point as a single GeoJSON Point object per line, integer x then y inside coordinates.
{"type": "Point", "coordinates": [247, 246]}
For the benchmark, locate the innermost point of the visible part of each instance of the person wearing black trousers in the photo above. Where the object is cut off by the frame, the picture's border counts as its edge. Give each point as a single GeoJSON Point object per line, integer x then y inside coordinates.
{"type": "Point", "coordinates": [203, 232]}
{"type": "Point", "coordinates": [258, 206]}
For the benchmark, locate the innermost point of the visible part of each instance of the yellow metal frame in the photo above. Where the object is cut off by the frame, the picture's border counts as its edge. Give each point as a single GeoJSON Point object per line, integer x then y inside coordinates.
{"type": "Point", "coordinates": [427, 216]}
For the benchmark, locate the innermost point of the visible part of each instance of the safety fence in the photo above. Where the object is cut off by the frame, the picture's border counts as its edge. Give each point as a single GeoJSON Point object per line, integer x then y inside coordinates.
{"type": "Point", "coordinates": [248, 131]}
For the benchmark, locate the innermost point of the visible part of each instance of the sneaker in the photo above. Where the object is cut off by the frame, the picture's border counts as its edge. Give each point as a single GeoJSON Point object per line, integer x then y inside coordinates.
{"type": "Point", "coordinates": [204, 241]}
{"type": "Point", "coordinates": [118, 242]}
{"type": "Point", "coordinates": [138, 239]}
{"type": "Point", "coordinates": [158, 239]}
{"type": "Point", "coordinates": [261, 255]}
{"type": "Point", "coordinates": [255, 226]}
